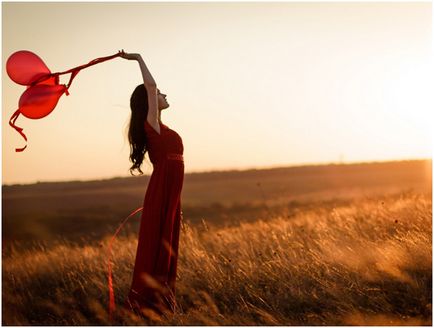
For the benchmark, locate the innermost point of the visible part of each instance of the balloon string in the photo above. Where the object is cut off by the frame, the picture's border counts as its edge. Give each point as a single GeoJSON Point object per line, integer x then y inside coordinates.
{"type": "Point", "coordinates": [112, 305]}
{"type": "Point", "coordinates": [73, 75]}
{"type": "Point", "coordinates": [91, 63]}
{"type": "Point", "coordinates": [74, 71]}
{"type": "Point", "coordinates": [12, 121]}
{"type": "Point", "coordinates": [77, 69]}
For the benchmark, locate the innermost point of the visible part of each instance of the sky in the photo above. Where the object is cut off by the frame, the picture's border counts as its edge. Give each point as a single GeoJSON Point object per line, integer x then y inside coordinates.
{"type": "Point", "coordinates": [250, 85]}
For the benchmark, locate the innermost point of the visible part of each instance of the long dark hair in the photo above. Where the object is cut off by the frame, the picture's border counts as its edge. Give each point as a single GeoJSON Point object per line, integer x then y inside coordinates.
{"type": "Point", "coordinates": [136, 130]}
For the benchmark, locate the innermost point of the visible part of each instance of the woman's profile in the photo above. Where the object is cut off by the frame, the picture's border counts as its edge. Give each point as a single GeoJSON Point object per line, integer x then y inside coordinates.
{"type": "Point", "coordinates": [154, 275]}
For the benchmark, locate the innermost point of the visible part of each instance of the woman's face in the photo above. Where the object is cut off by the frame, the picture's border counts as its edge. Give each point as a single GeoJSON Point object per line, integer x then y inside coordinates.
{"type": "Point", "coordinates": [162, 102]}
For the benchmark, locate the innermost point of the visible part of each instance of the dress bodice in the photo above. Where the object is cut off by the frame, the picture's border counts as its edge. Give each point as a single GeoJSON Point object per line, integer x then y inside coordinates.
{"type": "Point", "coordinates": [164, 145]}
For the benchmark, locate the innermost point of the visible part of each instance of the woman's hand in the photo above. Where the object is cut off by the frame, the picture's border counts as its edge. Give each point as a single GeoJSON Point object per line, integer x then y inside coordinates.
{"type": "Point", "coordinates": [129, 56]}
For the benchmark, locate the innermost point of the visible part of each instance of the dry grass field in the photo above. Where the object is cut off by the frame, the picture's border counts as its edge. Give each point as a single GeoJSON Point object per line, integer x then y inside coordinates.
{"type": "Point", "coordinates": [335, 253]}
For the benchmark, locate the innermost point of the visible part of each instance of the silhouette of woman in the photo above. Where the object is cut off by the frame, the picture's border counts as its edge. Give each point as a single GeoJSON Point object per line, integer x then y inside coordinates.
{"type": "Point", "coordinates": [153, 282]}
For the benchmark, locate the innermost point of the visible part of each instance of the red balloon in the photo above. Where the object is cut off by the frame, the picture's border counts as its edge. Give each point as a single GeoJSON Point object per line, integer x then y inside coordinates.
{"type": "Point", "coordinates": [25, 68]}
{"type": "Point", "coordinates": [38, 101]}
{"type": "Point", "coordinates": [43, 89]}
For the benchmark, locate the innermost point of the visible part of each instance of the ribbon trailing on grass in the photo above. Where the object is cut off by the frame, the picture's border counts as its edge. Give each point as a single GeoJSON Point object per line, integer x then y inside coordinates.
{"type": "Point", "coordinates": [112, 303]}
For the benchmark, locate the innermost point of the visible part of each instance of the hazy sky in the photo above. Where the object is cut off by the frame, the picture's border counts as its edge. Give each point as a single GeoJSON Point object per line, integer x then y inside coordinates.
{"type": "Point", "coordinates": [249, 84]}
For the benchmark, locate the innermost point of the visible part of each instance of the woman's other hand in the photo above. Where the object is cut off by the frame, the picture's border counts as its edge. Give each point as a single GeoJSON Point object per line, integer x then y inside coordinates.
{"type": "Point", "coordinates": [129, 56]}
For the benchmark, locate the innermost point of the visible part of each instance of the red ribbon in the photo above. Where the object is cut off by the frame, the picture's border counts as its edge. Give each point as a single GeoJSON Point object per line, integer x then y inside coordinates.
{"type": "Point", "coordinates": [19, 130]}
{"type": "Point", "coordinates": [112, 304]}
{"type": "Point", "coordinates": [77, 69]}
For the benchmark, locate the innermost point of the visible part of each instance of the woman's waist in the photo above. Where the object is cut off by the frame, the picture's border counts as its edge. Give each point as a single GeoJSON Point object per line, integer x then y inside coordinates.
{"type": "Point", "coordinates": [175, 157]}
{"type": "Point", "coordinates": [170, 156]}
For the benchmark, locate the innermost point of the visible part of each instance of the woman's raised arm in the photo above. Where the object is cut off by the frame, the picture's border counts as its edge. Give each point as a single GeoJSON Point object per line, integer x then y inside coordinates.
{"type": "Point", "coordinates": [151, 88]}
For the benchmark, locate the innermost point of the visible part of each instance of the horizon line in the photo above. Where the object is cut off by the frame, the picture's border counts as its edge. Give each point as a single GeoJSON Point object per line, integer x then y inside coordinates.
{"type": "Point", "coordinates": [239, 169]}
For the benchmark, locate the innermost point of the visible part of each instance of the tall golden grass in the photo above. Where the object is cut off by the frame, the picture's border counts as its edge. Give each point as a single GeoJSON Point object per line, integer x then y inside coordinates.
{"type": "Point", "coordinates": [366, 263]}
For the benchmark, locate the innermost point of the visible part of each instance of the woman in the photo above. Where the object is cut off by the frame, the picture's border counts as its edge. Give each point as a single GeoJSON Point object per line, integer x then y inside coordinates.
{"type": "Point", "coordinates": [153, 283]}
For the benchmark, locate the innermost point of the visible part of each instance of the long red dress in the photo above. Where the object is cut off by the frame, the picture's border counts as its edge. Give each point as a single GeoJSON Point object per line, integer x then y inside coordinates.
{"type": "Point", "coordinates": [153, 284]}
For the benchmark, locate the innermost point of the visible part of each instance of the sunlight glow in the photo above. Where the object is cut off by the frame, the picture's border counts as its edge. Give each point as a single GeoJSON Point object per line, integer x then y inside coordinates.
{"type": "Point", "coordinates": [249, 84]}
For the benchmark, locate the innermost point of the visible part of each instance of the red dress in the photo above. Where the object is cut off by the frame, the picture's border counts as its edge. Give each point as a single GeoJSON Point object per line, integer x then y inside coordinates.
{"type": "Point", "coordinates": [154, 276]}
